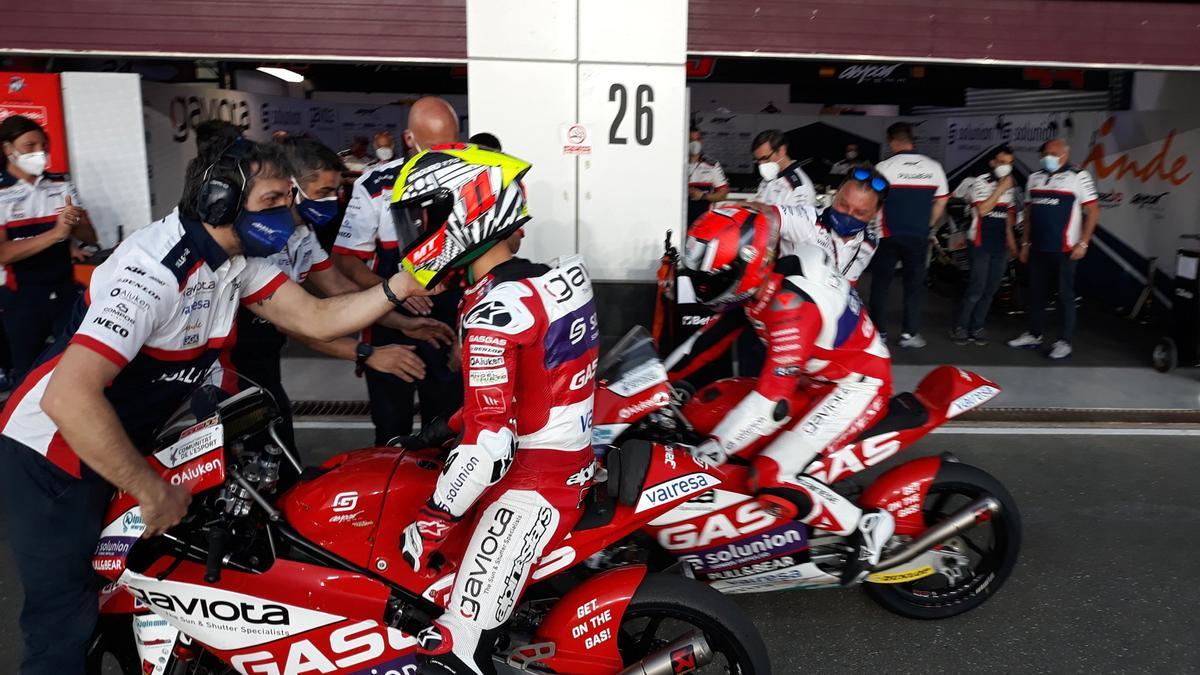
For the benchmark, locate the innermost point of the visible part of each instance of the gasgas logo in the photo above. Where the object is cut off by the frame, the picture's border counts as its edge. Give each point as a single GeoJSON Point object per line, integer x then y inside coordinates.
{"type": "Point", "coordinates": [358, 644]}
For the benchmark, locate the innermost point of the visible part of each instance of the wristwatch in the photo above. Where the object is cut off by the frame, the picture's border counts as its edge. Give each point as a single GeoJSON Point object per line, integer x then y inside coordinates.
{"type": "Point", "coordinates": [361, 353]}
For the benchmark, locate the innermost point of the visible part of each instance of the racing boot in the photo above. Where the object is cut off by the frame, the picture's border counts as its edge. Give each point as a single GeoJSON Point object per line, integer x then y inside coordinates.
{"type": "Point", "coordinates": [875, 529]}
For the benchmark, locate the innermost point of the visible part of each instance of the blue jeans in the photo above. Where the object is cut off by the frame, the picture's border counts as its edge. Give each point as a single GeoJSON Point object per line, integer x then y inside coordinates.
{"type": "Point", "coordinates": [987, 269]}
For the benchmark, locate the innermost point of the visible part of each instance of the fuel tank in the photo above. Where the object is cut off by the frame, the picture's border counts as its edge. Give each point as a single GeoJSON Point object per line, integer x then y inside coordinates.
{"type": "Point", "coordinates": [361, 498]}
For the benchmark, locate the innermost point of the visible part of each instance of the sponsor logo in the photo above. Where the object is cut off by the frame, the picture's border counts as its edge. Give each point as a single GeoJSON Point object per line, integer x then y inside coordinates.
{"type": "Point", "coordinates": [658, 400]}
{"type": "Point", "coordinates": [580, 379]}
{"type": "Point", "coordinates": [854, 458]}
{"type": "Point", "coordinates": [640, 379]}
{"type": "Point", "coordinates": [344, 501]}
{"type": "Point", "coordinates": [125, 294]}
{"type": "Point", "coordinates": [115, 546]}
{"type": "Point", "coordinates": [756, 568]}
{"type": "Point", "coordinates": [746, 519]}
{"type": "Point", "coordinates": [140, 286]}
{"type": "Point", "coordinates": [198, 442]}
{"type": "Point", "coordinates": [787, 371]}
{"type": "Point", "coordinates": [195, 473]}
{"type": "Point", "coordinates": [433, 528]}
{"type": "Point", "coordinates": [900, 577]}
{"type": "Point", "coordinates": [971, 399]}
{"type": "Point", "coordinates": [674, 489]}
{"type": "Point", "coordinates": [488, 340]}
{"type": "Point", "coordinates": [200, 287]}
{"type": "Point", "coordinates": [487, 378]}
{"type": "Point", "coordinates": [483, 565]}
{"type": "Point", "coordinates": [484, 350]}
{"type": "Point", "coordinates": [345, 517]}
{"type": "Point", "coordinates": [460, 480]}
{"type": "Point", "coordinates": [485, 361]}
{"type": "Point", "coordinates": [1142, 199]}
{"type": "Point", "coordinates": [869, 73]}
{"type": "Point", "coordinates": [132, 522]}
{"type": "Point", "coordinates": [566, 283]}
{"type": "Point", "coordinates": [1110, 199]}
{"type": "Point", "coordinates": [695, 320]}
{"type": "Point", "coordinates": [584, 476]}
{"type": "Point", "coordinates": [112, 326]}
{"type": "Point", "coordinates": [189, 375]}
{"type": "Point", "coordinates": [191, 340]}
{"type": "Point", "coordinates": [490, 398]}
{"type": "Point", "coordinates": [198, 304]}
{"type": "Point", "coordinates": [1162, 166]}
{"type": "Point", "coordinates": [347, 649]}
{"type": "Point", "coordinates": [135, 270]}
{"type": "Point", "coordinates": [492, 313]}
{"type": "Point", "coordinates": [529, 546]}
{"type": "Point", "coordinates": [264, 614]}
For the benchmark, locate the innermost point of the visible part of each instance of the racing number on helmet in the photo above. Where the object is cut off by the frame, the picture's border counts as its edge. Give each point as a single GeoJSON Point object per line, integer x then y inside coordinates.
{"type": "Point", "coordinates": [477, 196]}
{"type": "Point", "coordinates": [643, 119]}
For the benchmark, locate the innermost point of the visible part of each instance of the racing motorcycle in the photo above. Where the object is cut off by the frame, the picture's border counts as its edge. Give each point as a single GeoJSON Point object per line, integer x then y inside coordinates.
{"type": "Point", "coordinates": [281, 570]}
{"type": "Point", "coordinates": [958, 531]}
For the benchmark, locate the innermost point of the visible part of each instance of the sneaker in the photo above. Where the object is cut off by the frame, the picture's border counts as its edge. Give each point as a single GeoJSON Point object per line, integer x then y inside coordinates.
{"type": "Point", "coordinates": [875, 530]}
{"type": "Point", "coordinates": [959, 336]}
{"type": "Point", "coordinates": [1025, 340]}
{"type": "Point", "coordinates": [1060, 350]}
{"type": "Point", "coordinates": [911, 341]}
{"type": "Point", "coordinates": [978, 338]}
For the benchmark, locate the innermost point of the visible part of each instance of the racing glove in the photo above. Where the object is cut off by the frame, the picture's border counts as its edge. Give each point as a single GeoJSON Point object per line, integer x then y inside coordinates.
{"type": "Point", "coordinates": [424, 536]}
{"type": "Point", "coordinates": [709, 452]}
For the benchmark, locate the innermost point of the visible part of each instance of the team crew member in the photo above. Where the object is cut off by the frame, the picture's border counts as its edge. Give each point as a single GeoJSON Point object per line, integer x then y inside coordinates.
{"type": "Point", "coordinates": [994, 211]}
{"type": "Point", "coordinates": [256, 353]}
{"type": "Point", "coordinates": [385, 146]}
{"type": "Point", "coordinates": [523, 462]}
{"type": "Point", "coordinates": [847, 162]}
{"type": "Point", "coordinates": [842, 229]}
{"type": "Point", "coordinates": [916, 202]}
{"type": "Point", "coordinates": [1061, 212]}
{"type": "Point", "coordinates": [816, 331]}
{"type": "Point", "coordinates": [157, 314]}
{"type": "Point", "coordinates": [706, 179]}
{"type": "Point", "coordinates": [369, 245]}
{"type": "Point", "coordinates": [783, 181]}
{"type": "Point", "coordinates": [39, 214]}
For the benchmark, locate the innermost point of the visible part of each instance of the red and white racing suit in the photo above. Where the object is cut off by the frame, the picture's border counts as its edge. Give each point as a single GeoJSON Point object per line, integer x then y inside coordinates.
{"type": "Point", "coordinates": [814, 326]}
{"type": "Point", "coordinates": [529, 344]}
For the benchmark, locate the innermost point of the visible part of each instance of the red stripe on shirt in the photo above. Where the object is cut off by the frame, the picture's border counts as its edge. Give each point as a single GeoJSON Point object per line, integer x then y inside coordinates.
{"type": "Point", "coordinates": [30, 221]}
{"type": "Point", "coordinates": [22, 391]}
{"type": "Point", "coordinates": [342, 250]}
{"type": "Point", "coordinates": [89, 342]}
{"type": "Point", "coordinates": [61, 455]}
{"type": "Point", "coordinates": [186, 277]}
{"type": "Point", "coordinates": [272, 286]}
{"type": "Point", "coordinates": [321, 266]}
{"type": "Point", "coordinates": [183, 354]}
{"type": "Point", "coordinates": [389, 244]}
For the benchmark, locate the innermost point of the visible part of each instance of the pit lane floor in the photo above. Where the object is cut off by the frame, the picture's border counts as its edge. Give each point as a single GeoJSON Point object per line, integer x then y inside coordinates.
{"type": "Point", "coordinates": [1106, 583]}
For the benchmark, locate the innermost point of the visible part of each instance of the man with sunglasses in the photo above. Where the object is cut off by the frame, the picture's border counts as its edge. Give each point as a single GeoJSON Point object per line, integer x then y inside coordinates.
{"type": "Point", "coordinates": [843, 228]}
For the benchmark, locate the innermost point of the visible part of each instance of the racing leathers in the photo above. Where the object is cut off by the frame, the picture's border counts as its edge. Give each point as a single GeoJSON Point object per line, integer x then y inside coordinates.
{"type": "Point", "coordinates": [529, 346]}
{"type": "Point", "coordinates": [814, 326]}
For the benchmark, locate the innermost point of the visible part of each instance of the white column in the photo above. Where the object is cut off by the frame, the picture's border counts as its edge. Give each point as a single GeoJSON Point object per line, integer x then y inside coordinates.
{"type": "Point", "coordinates": [536, 69]}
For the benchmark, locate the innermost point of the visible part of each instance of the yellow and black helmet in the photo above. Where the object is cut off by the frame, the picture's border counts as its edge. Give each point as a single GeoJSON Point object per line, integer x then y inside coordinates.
{"type": "Point", "coordinates": [461, 200]}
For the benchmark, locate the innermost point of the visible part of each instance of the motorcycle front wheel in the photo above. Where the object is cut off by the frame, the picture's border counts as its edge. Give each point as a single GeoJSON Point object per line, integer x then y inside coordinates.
{"type": "Point", "coordinates": [667, 607]}
{"type": "Point", "coordinates": [987, 552]}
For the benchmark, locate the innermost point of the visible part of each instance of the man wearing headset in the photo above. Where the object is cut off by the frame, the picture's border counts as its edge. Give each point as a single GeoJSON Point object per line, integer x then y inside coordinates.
{"type": "Point", "coordinates": [156, 316]}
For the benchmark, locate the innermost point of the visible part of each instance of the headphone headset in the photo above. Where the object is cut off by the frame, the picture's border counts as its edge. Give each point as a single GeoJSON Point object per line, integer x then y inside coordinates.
{"type": "Point", "coordinates": [219, 201]}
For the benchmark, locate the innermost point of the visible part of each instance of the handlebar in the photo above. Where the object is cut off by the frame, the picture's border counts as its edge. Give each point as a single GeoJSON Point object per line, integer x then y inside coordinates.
{"type": "Point", "coordinates": [218, 537]}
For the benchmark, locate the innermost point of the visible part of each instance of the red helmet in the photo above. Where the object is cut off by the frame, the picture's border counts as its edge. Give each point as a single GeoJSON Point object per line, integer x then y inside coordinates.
{"type": "Point", "coordinates": [728, 254]}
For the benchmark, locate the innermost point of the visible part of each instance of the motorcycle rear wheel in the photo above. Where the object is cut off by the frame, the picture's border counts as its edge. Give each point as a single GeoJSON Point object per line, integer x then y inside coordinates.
{"type": "Point", "coordinates": [991, 548]}
{"type": "Point", "coordinates": [668, 606]}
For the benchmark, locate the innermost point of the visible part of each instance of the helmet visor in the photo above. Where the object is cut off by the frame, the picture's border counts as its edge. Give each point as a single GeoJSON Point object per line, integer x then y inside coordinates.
{"type": "Point", "coordinates": [713, 289]}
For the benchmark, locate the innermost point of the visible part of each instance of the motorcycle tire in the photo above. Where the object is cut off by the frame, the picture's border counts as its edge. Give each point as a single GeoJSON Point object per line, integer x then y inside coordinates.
{"type": "Point", "coordinates": [663, 598]}
{"type": "Point", "coordinates": [113, 638]}
{"type": "Point", "coordinates": [914, 600]}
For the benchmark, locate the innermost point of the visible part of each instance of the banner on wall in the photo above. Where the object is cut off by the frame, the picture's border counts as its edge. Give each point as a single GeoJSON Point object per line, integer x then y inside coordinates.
{"type": "Point", "coordinates": [37, 96]}
{"type": "Point", "coordinates": [173, 111]}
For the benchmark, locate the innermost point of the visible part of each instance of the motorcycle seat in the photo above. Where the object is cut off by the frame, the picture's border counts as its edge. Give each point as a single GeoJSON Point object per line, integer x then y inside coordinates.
{"type": "Point", "coordinates": [905, 411]}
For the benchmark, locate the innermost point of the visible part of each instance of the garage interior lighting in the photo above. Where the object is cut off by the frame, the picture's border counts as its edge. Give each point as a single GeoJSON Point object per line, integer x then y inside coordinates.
{"type": "Point", "coordinates": [282, 73]}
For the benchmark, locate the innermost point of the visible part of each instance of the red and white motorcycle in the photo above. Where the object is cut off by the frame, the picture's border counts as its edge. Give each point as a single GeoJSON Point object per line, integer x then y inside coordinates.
{"type": "Point", "coordinates": [279, 570]}
{"type": "Point", "coordinates": [958, 531]}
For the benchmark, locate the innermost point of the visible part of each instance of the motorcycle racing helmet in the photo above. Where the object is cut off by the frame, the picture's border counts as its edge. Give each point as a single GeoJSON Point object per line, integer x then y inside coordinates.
{"type": "Point", "coordinates": [461, 200]}
{"type": "Point", "coordinates": [728, 255]}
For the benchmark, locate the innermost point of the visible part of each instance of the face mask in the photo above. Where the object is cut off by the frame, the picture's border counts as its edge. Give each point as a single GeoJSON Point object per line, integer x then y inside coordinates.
{"type": "Point", "coordinates": [695, 147]}
{"type": "Point", "coordinates": [1002, 170]}
{"type": "Point", "coordinates": [384, 153]}
{"type": "Point", "coordinates": [852, 154]}
{"type": "Point", "coordinates": [844, 224]}
{"type": "Point", "coordinates": [1051, 163]}
{"type": "Point", "coordinates": [768, 170]}
{"type": "Point", "coordinates": [32, 163]}
{"type": "Point", "coordinates": [264, 233]}
{"type": "Point", "coordinates": [318, 211]}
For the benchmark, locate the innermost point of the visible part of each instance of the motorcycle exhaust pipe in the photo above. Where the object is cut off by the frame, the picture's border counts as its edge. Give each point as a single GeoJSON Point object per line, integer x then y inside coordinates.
{"type": "Point", "coordinates": [961, 521]}
{"type": "Point", "coordinates": [687, 654]}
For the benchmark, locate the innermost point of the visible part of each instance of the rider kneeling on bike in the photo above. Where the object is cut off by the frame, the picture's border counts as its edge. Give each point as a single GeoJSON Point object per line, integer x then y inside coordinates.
{"type": "Point", "coordinates": [816, 331]}
{"type": "Point", "coordinates": [529, 342]}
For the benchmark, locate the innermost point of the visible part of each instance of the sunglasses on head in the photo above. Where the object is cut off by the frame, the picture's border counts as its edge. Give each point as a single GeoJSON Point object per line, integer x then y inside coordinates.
{"type": "Point", "coordinates": [871, 180]}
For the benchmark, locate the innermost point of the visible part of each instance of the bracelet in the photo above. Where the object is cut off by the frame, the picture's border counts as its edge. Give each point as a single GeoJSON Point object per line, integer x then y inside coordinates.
{"type": "Point", "coordinates": [1082, 244]}
{"type": "Point", "coordinates": [387, 291]}
{"type": "Point", "coordinates": [1024, 244]}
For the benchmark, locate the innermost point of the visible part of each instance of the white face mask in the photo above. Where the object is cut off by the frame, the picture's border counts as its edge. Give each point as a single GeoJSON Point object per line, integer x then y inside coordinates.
{"type": "Point", "coordinates": [1002, 170]}
{"type": "Point", "coordinates": [695, 147]}
{"type": "Point", "coordinates": [768, 170]}
{"type": "Point", "coordinates": [32, 163]}
{"type": "Point", "coordinates": [384, 153]}
{"type": "Point", "coordinates": [852, 154]}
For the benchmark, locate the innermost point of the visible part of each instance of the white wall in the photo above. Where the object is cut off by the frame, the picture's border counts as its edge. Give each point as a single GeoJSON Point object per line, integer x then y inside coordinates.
{"type": "Point", "coordinates": [1165, 91]}
{"type": "Point", "coordinates": [107, 147]}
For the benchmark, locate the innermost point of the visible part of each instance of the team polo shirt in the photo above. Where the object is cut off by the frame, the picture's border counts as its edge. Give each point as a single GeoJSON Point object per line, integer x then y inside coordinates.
{"type": "Point", "coordinates": [1055, 207]}
{"type": "Point", "coordinates": [161, 308]}
{"type": "Point", "coordinates": [799, 225]}
{"type": "Point", "coordinates": [706, 175]}
{"type": "Point", "coordinates": [915, 182]}
{"type": "Point", "coordinates": [792, 187]}
{"type": "Point", "coordinates": [301, 255]}
{"type": "Point", "coordinates": [368, 231]}
{"type": "Point", "coordinates": [27, 210]}
{"type": "Point", "coordinates": [987, 230]}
